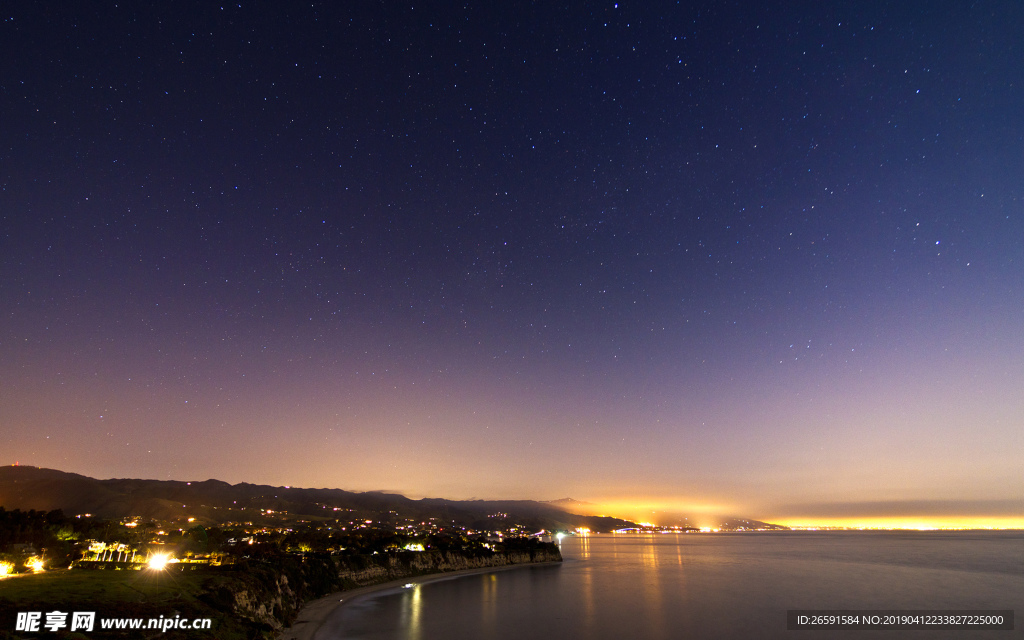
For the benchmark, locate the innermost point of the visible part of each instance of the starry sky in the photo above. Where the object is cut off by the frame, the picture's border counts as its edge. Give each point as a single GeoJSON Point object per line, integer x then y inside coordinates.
{"type": "Point", "coordinates": [694, 257]}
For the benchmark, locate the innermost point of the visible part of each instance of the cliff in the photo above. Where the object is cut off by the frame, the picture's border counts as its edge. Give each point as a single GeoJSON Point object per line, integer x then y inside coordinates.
{"type": "Point", "coordinates": [250, 599]}
{"type": "Point", "coordinates": [271, 596]}
{"type": "Point", "coordinates": [357, 572]}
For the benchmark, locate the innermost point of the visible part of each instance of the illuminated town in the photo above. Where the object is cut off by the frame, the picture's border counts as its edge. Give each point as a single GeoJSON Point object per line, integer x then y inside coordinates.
{"type": "Point", "coordinates": [85, 541]}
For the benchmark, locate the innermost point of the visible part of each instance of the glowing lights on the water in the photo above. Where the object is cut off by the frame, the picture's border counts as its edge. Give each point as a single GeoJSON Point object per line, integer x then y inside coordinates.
{"type": "Point", "coordinates": [412, 611]}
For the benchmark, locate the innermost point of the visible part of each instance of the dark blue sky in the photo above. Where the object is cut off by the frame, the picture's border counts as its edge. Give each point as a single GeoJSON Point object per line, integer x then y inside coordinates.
{"type": "Point", "coordinates": [704, 256]}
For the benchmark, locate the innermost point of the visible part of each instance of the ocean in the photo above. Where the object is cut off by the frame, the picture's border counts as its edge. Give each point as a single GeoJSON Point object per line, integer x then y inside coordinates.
{"type": "Point", "coordinates": [725, 585]}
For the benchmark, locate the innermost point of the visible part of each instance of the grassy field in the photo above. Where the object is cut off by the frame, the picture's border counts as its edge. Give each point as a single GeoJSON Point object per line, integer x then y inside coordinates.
{"type": "Point", "coordinates": [119, 594]}
{"type": "Point", "coordinates": [73, 585]}
{"type": "Point", "coordinates": [244, 601]}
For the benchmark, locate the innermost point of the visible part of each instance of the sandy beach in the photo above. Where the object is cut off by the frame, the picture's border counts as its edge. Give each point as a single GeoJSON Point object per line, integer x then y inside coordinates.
{"type": "Point", "coordinates": [315, 612]}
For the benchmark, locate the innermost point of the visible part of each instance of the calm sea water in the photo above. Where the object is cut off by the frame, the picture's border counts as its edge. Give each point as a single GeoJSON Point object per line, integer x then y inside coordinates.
{"type": "Point", "coordinates": [705, 586]}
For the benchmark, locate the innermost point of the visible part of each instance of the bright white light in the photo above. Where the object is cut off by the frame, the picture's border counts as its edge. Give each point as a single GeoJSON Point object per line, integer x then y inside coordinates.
{"type": "Point", "coordinates": [159, 561]}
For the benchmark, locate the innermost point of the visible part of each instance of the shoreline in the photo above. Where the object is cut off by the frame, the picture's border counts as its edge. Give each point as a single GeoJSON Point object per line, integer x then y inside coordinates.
{"type": "Point", "coordinates": [315, 613]}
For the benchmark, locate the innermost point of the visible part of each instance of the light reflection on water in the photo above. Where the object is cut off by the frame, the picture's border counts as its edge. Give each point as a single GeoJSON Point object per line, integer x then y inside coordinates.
{"type": "Point", "coordinates": [703, 586]}
{"type": "Point", "coordinates": [587, 589]}
{"type": "Point", "coordinates": [584, 545]}
{"type": "Point", "coordinates": [653, 601]}
{"type": "Point", "coordinates": [489, 601]}
{"type": "Point", "coordinates": [415, 600]}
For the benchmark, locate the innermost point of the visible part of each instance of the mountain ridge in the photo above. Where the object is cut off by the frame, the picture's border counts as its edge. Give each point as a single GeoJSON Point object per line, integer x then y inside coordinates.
{"type": "Point", "coordinates": [214, 501]}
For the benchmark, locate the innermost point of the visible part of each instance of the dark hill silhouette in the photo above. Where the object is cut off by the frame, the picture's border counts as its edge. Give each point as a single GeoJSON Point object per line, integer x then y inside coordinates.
{"type": "Point", "coordinates": [216, 502]}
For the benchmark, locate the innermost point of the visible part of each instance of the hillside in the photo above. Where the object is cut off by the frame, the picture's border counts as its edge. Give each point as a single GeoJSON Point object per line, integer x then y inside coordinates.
{"type": "Point", "coordinates": [215, 502]}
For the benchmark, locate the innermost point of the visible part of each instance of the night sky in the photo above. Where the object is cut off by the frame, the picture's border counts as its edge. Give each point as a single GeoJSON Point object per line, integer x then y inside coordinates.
{"type": "Point", "coordinates": [764, 260]}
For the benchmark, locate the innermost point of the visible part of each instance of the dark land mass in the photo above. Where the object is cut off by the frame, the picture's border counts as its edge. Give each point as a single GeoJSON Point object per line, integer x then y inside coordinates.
{"type": "Point", "coordinates": [742, 524]}
{"type": "Point", "coordinates": [248, 556]}
{"type": "Point", "coordinates": [570, 504]}
{"type": "Point", "coordinates": [216, 502]}
{"type": "Point", "coordinates": [245, 600]}
{"type": "Point", "coordinates": [250, 578]}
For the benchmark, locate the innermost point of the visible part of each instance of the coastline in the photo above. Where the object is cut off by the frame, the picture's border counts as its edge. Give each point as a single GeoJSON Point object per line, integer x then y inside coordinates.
{"type": "Point", "coordinates": [314, 613]}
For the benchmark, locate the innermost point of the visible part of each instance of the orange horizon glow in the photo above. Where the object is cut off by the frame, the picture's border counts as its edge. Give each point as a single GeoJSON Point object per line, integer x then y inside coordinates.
{"type": "Point", "coordinates": [921, 523]}
{"type": "Point", "coordinates": [708, 515]}
{"type": "Point", "coordinates": [659, 512]}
